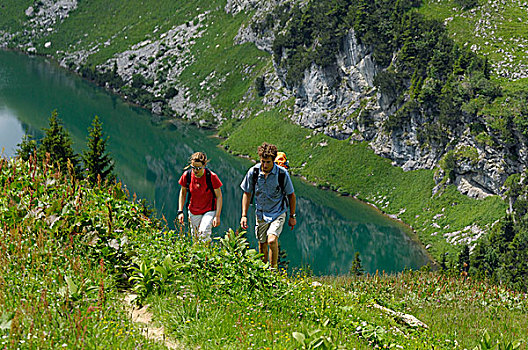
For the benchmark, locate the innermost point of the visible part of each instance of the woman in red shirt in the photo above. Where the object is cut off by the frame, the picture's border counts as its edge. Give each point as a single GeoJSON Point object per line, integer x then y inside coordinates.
{"type": "Point", "coordinates": [205, 204]}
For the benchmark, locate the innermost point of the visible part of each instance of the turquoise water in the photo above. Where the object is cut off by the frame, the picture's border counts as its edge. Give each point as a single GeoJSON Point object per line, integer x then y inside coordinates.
{"type": "Point", "coordinates": [150, 156]}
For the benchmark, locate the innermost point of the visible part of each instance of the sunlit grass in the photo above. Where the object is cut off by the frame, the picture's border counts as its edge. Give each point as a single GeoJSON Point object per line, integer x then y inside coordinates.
{"type": "Point", "coordinates": [354, 169]}
{"type": "Point", "coordinates": [67, 250]}
{"type": "Point", "coordinates": [12, 14]}
{"type": "Point", "coordinates": [493, 29]}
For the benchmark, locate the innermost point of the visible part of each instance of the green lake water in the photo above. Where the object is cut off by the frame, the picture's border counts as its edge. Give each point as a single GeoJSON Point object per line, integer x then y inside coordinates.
{"type": "Point", "coordinates": [150, 156]}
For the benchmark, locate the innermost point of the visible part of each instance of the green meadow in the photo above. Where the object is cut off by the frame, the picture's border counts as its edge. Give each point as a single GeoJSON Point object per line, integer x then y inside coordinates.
{"type": "Point", "coordinates": [353, 169]}
{"type": "Point", "coordinates": [71, 253]}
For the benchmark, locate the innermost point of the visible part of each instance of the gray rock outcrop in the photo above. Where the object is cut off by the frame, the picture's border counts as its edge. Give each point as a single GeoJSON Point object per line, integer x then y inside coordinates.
{"type": "Point", "coordinates": [340, 100]}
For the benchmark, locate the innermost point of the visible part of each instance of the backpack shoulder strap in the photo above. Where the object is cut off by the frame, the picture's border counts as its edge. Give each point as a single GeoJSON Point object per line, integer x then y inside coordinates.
{"type": "Point", "coordinates": [254, 177]}
{"type": "Point", "coordinates": [208, 180]}
{"type": "Point", "coordinates": [210, 187]}
{"type": "Point", "coordinates": [188, 174]}
{"type": "Point", "coordinates": [281, 178]}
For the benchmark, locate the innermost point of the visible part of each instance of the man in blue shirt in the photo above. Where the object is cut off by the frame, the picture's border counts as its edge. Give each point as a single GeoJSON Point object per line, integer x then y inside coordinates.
{"type": "Point", "coordinates": [271, 185]}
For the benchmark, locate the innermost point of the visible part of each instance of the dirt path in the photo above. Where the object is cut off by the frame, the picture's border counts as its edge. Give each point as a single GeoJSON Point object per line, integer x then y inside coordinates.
{"type": "Point", "coordinates": [143, 316]}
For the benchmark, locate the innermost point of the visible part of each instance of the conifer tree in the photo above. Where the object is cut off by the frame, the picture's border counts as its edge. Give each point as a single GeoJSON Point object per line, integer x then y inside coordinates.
{"type": "Point", "coordinates": [463, 259]}
{"type": "Point", "coordinates": [97, 162]}
{"type": "Point", "coordinates": [57, 142]}
{"type": "Point", "coordinates": [356, 269]}
{"type": "Point", "coordinates": [26, 147]}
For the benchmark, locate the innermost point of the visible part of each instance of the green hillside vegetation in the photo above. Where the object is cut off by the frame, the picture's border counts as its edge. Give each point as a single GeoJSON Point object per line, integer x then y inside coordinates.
{"type": "Point", "coordinates": [354, 169]}
{"type": "Point", "coordinates": [12, 14]}
{"type": "Point", "coordinates": [435, 75]}
{"type": "Point", "coordinates": [492, 29]}
{"type": "Point", "coordinates": [70, 252]}
{"type": "Point", "coordinates": [58, 274]}
{"type": "Point", "coordinates": [495, 31]}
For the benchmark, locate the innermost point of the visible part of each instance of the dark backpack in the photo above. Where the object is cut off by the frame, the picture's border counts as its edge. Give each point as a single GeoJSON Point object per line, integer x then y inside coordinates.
{"type": "Point", "coordinates": [207, 174]}
{"type": "Point", "coordinates": [281, 178]}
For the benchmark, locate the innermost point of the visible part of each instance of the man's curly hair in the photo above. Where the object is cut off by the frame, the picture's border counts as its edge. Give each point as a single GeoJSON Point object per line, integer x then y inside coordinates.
{"type": "Point", "coordinates": [267, 150]}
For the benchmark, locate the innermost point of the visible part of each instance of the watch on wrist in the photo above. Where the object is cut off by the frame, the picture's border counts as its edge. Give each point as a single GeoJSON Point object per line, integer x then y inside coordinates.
{"type": "Point", "coordinates": [293, 215]}
{"type": "Point", "coordinates": [180, 212]}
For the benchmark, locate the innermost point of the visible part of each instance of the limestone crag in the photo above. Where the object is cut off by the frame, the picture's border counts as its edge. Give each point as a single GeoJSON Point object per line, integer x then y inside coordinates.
{"type": "Point", "coordinates": [236, 6]}
{"type": "Point", "coordinates": [162, 61]}
{"type": "Point", "coordinates": [339, 100]}
{"type": "Point", "coordinates": [43, 15]}
{"type": "Point", "coordinates": [263, 41]}
{"type": "Point", "coordinates": [330, 98]}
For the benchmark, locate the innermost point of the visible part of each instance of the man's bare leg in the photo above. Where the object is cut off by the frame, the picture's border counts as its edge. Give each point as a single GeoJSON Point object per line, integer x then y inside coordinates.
{"type": "Point", "coordinates": [273, 242]}
{"type": "Point", "coordinates": [263, 249]}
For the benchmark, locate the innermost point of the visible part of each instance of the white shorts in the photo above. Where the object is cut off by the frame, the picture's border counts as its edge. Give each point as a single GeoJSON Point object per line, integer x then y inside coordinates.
{"type": "Point", "coordinates": [202, 225]}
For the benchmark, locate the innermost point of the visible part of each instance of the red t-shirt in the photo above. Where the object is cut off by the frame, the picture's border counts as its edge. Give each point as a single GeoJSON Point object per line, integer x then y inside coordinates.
{"type": "Point", "coordinates": [201, 197]}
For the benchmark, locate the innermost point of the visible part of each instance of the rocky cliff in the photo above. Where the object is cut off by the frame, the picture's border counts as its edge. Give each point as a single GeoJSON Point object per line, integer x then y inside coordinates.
{"type": "Point", "coordinates": [343, 102]}
{"type": "Point", "coordinates": [339, 100]}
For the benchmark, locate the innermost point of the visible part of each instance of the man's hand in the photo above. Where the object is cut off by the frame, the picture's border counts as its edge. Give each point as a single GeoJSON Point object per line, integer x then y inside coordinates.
{"type": "Point", "coordinates": [180, 218]}
{"type": "Point", "coordinates": [292, 222]}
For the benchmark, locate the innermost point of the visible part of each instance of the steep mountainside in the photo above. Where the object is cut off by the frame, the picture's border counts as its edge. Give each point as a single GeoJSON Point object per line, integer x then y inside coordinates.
{"type": "Point", "coordinates": [384, 72]}
{"type": "Point", "coordinates": [406, 113]}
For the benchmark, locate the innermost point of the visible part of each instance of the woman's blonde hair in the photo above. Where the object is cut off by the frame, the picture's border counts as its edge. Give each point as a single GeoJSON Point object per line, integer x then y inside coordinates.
{"type": "Point", "coordinates": [199, 157]}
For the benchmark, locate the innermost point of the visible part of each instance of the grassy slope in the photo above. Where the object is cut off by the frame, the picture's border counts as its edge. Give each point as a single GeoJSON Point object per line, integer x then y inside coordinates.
{"type": "Point", "coordinates": [348, 168]}
{"type": "Point", "coordinates": [12, 14]}
{"type": "Point", "coordinates": [494, 29]}
{"type": "Point", "coordinates": [125, 23]}
{"type": "Point", "coordinates": [355, 169]}
{"type": "Point", "coordinates": [59, 287]}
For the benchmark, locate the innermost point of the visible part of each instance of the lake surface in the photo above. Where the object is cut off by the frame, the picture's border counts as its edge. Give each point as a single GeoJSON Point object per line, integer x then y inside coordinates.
{"type": "Point", "coordinates": [150, 156]}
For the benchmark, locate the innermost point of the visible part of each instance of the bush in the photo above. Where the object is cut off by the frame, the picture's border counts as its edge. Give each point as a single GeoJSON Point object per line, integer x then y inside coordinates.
{"type": "Point", "coordinates": [260, 86]}
{"type": "Point", "coordinates": [466, 4]}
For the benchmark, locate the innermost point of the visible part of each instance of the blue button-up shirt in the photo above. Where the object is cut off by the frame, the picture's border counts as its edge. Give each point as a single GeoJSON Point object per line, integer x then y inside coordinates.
{"type": "Point", "coordinates": [269, 201]}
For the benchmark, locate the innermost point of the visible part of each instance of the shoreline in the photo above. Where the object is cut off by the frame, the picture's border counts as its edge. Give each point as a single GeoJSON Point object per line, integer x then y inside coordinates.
{"type": "Point", "coordinates": [160, 118]}
{"type": "Point", "coordinates": [412, 236]}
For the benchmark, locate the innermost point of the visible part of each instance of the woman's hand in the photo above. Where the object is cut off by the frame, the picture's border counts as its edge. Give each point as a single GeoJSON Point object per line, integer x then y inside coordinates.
{"type": "Point", "coordinates": [216, 221]}
{"type": "Point", "coordinates": [180, 218]}
{"type": "Point", "coordinates": [243, 222]}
